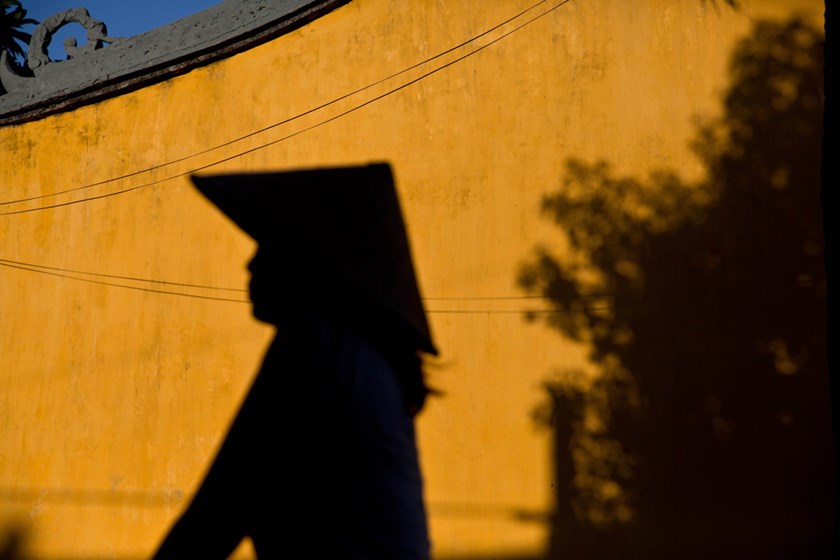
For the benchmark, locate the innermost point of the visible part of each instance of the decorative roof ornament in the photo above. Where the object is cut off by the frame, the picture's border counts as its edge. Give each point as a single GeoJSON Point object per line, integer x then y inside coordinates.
{"type": "Point", "coordinates": [96, 35]}
{"type": "Point", "coordinates": [38, 56]}
{"type": "Point", "coordinates": [13, 78]}
{"type": "Point", "coordinates": [91, 73]}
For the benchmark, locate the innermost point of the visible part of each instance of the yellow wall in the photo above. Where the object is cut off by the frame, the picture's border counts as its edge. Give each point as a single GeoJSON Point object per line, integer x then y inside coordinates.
{"type": "Point", "coordinates": [112, 400]}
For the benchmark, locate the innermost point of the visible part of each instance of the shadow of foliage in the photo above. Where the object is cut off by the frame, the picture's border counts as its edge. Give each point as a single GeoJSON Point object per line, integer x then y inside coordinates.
{"type": "Point", "coordinates": [705, 305]}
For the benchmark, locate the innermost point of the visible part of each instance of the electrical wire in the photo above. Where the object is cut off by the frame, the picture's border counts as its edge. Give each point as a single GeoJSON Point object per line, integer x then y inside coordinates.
{"type": "Point", "coordinates": [63, 273]}
{"type": "Point", "coordinates": [113, 284]}
{"type": "Point", "coordinates": [511, 311]}
{"type": "Point", "coordinates": [118, 277]}
{"type": "Point", "coordinates": [279, 123]}
{"type": "Point", "coordinates": [292, 135]}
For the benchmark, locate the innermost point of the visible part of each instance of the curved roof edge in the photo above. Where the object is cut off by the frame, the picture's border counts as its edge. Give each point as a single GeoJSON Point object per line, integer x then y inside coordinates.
{"type": "Point", "coordinates": [131, 63]}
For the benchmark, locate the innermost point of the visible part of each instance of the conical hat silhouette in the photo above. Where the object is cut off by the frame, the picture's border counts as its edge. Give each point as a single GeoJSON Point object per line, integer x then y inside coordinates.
{"type": "Point", "coordinates": [342, 224]}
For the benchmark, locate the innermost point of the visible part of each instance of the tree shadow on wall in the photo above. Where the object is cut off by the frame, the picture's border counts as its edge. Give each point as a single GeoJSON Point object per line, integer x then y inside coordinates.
{"type": "Point", "coordinates": [707, 433]}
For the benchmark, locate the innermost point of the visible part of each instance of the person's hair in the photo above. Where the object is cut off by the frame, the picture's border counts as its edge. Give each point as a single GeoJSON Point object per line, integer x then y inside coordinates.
{"type": "Point", "coordinates": [408, 366]}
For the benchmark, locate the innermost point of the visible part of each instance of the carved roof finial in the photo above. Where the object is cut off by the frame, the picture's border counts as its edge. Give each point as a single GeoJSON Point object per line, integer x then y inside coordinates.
{"type": "Point", "coordinates": [96, 35]}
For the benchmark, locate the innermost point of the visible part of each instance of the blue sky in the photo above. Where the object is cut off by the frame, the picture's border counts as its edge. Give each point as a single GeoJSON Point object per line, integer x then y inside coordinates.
{"type": "Point", "coordinates": [124, 18]}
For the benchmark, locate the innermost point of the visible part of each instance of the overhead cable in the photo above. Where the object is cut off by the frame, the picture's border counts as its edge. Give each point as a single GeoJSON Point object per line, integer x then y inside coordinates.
{"type": "Point", "coordinates": [279, 123]}
{"type": "Point", "coordinates": [296, 133]}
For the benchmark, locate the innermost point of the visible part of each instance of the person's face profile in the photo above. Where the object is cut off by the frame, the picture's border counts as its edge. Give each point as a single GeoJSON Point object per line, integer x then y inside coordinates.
{"type": "Point", "coordinates": [259, 286]}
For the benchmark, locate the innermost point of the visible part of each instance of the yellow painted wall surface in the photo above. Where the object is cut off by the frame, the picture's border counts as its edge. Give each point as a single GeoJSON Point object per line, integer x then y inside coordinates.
{"type": "Point", "coordinates": [114, 393]}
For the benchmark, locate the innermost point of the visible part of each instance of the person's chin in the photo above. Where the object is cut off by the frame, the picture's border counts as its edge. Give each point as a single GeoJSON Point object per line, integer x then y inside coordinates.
{"type": "Point", "coordinates": [262, 314]}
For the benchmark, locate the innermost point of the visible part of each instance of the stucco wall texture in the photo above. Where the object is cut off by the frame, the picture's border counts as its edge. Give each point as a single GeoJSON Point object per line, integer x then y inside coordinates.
{"type": "Point", "coordinates": [123, 358]}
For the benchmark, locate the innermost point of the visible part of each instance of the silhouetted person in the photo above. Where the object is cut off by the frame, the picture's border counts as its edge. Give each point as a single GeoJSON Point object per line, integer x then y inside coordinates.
{"type": "Point", "coordinates": [321, 459]}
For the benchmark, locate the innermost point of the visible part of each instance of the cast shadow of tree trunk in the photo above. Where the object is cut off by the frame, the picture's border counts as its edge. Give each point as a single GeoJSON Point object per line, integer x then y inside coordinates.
{"type": "Point", "coordinates": [708, 432]}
